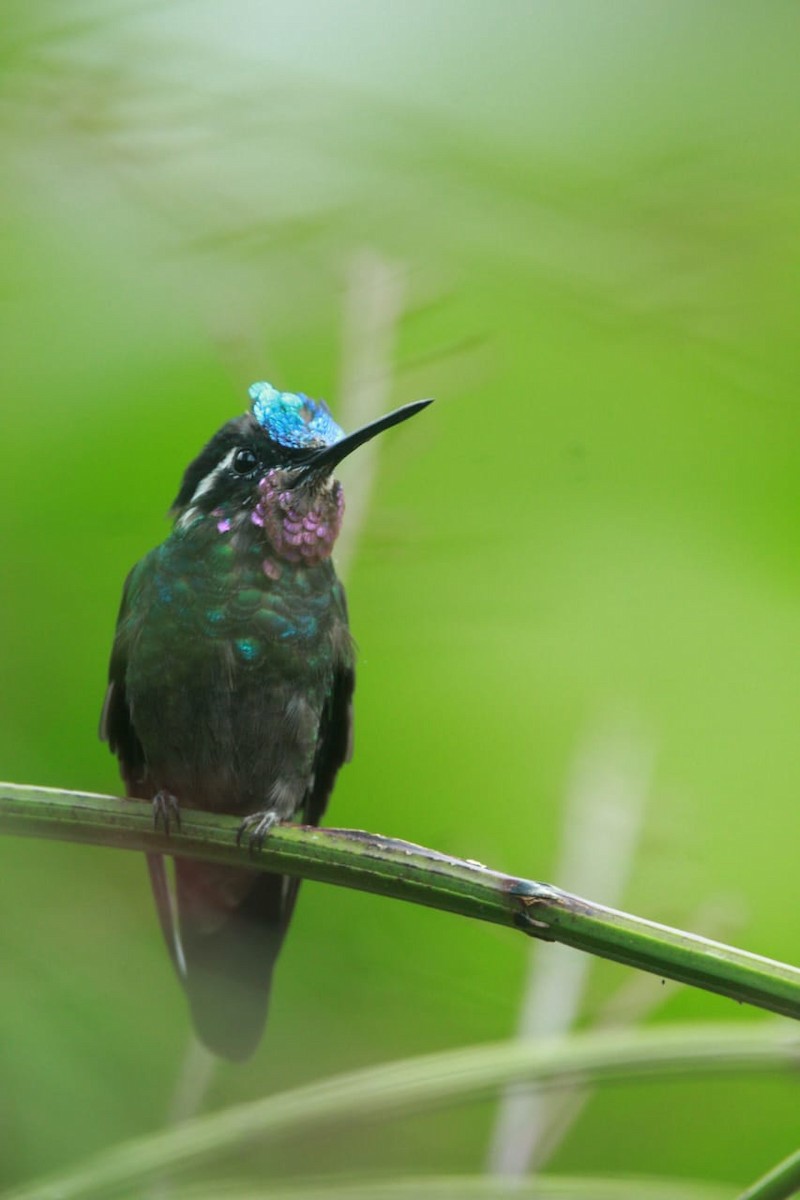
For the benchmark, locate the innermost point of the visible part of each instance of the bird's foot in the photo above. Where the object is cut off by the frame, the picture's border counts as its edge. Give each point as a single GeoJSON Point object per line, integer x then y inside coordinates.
{"type": "Point", "coordinates": [165, 811]}
{"type": "Point", "coordinates": [255, 828]}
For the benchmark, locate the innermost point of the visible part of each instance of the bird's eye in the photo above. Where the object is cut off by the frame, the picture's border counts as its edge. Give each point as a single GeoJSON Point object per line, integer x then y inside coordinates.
{"type": "Point", "coordinates": [244, 461]}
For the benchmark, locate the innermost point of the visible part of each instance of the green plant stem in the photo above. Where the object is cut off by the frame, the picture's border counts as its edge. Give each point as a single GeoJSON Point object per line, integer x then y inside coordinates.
{"type": "Point", "coordinates": [779, 1183]}
{"type": "Point", "coordinates": [416, 1084]}
{"type": "Point", "coordinates": [388, 867]}
{"type": "Point", "coordinates": [461, 1187]}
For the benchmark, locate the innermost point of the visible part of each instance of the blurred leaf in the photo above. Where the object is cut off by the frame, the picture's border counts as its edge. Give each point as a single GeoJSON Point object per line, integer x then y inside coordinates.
{"type": "Point", "coordinates": [547, 1187]}
{"type": "Point", "coordinates": [397, 1088]}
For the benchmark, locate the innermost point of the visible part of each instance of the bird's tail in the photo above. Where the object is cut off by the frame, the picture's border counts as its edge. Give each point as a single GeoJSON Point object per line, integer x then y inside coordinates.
{"type": "Point", "coordinates": [230, 928]}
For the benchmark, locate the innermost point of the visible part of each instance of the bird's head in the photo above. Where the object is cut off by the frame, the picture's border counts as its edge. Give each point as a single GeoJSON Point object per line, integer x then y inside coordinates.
{"type": "Point", "coordinates": [272, 468]}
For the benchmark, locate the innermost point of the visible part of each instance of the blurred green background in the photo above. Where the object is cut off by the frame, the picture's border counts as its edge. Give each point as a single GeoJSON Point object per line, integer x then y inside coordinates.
{"type": "Point", "coordinates": [594, 210]}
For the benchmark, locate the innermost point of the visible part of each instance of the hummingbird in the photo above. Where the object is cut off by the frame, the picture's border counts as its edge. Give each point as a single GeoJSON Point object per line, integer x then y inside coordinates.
{"type": "Point", "coordinates": [230, 687]}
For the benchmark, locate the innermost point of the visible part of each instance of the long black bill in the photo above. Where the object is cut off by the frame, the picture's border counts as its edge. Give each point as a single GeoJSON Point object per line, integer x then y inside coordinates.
{"type": "Point", "coordinates": [322, 462]}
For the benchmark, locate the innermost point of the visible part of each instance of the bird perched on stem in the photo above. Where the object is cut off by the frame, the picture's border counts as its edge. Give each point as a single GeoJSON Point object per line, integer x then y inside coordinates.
{"type": "Point", "coordinates": [230, 686]}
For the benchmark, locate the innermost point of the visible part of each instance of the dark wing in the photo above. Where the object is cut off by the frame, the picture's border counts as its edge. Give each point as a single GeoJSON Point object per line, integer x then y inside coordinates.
{"type": "Point", "coordinates": [335, 738]}
{"type": "Point", "coordinates": [116, 728]}
{"type": "Point", "coordinates": [335, 746]}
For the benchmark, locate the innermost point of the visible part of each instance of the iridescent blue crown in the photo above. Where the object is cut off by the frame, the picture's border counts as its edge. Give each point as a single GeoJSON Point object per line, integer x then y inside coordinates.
{"type": "Point", "coordinates": [292, 419]}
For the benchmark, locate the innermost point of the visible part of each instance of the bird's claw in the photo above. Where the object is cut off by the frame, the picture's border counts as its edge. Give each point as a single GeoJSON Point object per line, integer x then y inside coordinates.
{"type": "Point", "coordinates": [255, 827]}
{"type": "Point", "coordinates": [165, 811]}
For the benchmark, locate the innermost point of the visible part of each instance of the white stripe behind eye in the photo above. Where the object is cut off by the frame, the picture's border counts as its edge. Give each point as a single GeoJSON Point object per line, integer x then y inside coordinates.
{"type": "Point", "coordinates": [206, 484]}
